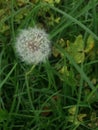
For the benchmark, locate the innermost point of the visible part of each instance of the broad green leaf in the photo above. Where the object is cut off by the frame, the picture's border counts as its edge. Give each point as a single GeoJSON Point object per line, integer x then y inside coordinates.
{"type": "Point", "coordinates": [2, 11]}
{"type": "Point", "coordinates": [69, 74]}
{"type": "Point", "coordinates": [57, 20]}
{"type": "Point", "coordinates": [4, 28]}
{"type": "Point", "coordinates": [81, 117]}
{"type": "Point", "coordinates": [52, 2]}
{"type": "Point", "coordinates": [18, 18]}
{"type": "Point", "coordinates": [55, 52]}
{"type": "Point", "coordinates": [72, 110]}
{"type": "Point", "coordinates": [76, 49]}
{"type": "Point", "coordinates": [22, 2]}
{"type": "Point", "coordinates": [64, 70]}
{"type": "Point", "coordinates": [71, 119]}
{"type": "Point", "coordinates": [57, 1]}
{"type": "Point", "coordinates": [93, 116]}
{"type": "Point", "coordinates": [90, 44]}
{"type": "Point", "coordinates": [49, 1]}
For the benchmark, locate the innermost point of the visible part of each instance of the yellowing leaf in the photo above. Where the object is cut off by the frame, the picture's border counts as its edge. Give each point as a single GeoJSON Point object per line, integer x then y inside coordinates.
{"type": "Point", "coordinates": [49, 1]}
{"type": "Point", "coordinates": [76, 49]}
{"type": "Point", "coordinates": [21, 15]}
{"type": "Point", "coordinates": [72, 110]}
{"type": "Point", "coordinates": [62, 42]}
{"type": "Point", "coordinates": [64, 70]}
{"type": "Point", "coordinates": [71, 119]}
{"type": "Point", "coordinates": [2, 11]}
{"type": "Point", "coordinates": [52, 1]}
{"type": "Point", "coordinates": [57, 20]}
{"type": "Point", "coordinates": [55, 52]}
{"type": "Point", "coordinates": [93, 116]}
{"type": "Point", "coordinates": [90, 44]}
{"type": "Point", "coordinates": [81, 116]}
{"type": "Point", "coordinates": [57, 1]}
{"type": "Point", "coordinates": [18, 18]}
{"type": "Point", "coordinates": [22, 2]}
{"type": "Point", "coordinates": [4, 28]}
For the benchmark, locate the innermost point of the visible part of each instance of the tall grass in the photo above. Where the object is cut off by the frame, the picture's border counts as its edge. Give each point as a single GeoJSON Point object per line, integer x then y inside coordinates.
{"type": "Point", "coordinates": [47, 99]}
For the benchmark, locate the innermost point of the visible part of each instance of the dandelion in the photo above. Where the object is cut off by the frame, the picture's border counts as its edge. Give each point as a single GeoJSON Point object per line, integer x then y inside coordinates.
{"type": "Point", "coordinates": [32, 45]}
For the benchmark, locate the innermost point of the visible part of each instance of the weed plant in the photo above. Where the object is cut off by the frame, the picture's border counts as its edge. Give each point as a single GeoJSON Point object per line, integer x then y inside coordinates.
{"type": "Point", "coordinates": [62, 93]}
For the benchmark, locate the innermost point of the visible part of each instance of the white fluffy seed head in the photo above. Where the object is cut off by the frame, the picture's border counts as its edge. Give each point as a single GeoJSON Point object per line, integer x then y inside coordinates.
{"type": "Point", "coordinates": [32, 45]}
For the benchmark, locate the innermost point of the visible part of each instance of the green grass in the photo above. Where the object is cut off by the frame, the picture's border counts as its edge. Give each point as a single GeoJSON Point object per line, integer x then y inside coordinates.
{"type": "Point", "coordinates": [43, 97]}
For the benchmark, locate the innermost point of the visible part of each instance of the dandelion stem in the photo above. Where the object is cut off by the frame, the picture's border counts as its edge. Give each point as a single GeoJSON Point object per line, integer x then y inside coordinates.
{"type": "Point", "coordinates": [27, 85]}
{"type": "Point", "coordinates": [27, 73]}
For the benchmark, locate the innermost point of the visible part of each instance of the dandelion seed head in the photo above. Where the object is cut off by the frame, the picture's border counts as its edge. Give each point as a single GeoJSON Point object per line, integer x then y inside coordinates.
{"type": "Point", "coordinates": [32, 45]}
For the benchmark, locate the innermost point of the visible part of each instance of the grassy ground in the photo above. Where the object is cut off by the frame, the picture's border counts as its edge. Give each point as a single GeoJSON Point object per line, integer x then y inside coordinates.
{"type": "Point", "coordinates": [63, 92]}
